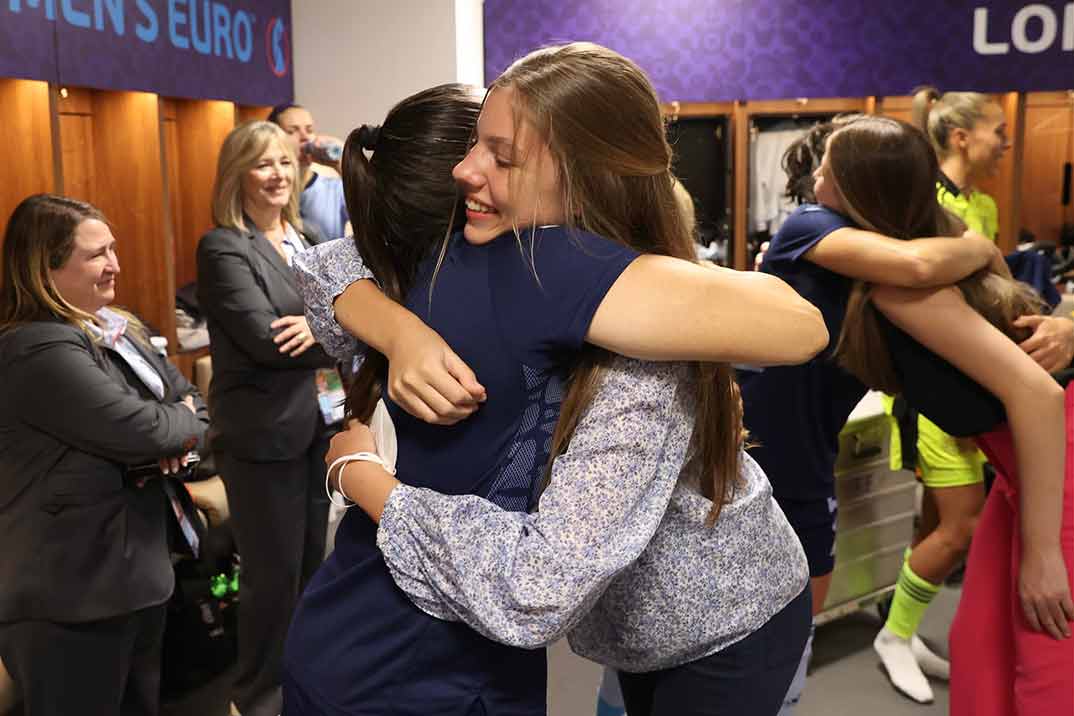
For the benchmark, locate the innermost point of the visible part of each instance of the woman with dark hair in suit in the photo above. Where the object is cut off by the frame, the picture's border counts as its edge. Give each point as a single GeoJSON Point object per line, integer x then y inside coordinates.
{"type": "Point", "coordinates": [83, 397]}
{"type": "Point", "coordinates": [269, 435]}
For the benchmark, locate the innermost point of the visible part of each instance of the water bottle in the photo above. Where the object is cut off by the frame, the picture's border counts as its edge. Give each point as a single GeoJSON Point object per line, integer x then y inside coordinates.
{"type": "Point", "coordinates": [329, 152]}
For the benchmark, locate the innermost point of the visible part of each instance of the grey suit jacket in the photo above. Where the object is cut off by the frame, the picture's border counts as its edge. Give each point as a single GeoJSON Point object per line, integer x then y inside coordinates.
{"type": "Point", "coordinates": [263, 403]}
{"type": "Point", "coordinates": [79, 542]}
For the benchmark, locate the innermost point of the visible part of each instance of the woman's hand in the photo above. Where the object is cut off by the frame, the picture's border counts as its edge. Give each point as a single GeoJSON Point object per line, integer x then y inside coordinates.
{"type": "Point", "coordinates": [758, 260]}
{"type": "Point", "coordinates": [1044, 591]}
{"type": "Point", "coordinates": [295, 338]}
{"type": "Point", "coordinates": [173, 465]}
{"type": "Point", "coordinates": [367, 483]}
{"type": "Point", "coordinates": [356, 438]}
{"type": "Point", "coordinates": [1052, 342]}
{"type": "Point", "coordinates": [210, 497]}
{"type": "Point", "coordinates": [428, 380]}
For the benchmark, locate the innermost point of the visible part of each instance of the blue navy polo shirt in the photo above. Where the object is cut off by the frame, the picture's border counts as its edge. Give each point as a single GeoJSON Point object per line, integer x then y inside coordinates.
{"type": "Point", "coordinates": [516, 310]}
{"type": "Point", "coordinates": [795, 413]}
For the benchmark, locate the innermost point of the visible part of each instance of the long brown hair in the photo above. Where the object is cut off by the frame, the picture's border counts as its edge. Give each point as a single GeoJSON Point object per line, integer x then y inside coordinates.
{"type": "Point", "coordinates": [402, 199]}
{"type": "Point", "coordinates": [40, 238]}
{"type": "Point", "coordinates": [885, 172]}
{"type": "Point", "coordinates": [600, 117]}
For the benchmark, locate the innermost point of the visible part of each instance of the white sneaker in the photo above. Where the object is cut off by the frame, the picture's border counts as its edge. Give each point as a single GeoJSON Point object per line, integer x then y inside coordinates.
{"type": "Point", "coordinates": [932, 664]}
{"type": "Point", "coordinates": [897, 659]}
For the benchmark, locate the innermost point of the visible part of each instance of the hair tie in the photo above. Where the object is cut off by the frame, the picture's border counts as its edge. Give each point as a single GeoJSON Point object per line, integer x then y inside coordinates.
{"type": "Point", "coordinates": [368, 136]}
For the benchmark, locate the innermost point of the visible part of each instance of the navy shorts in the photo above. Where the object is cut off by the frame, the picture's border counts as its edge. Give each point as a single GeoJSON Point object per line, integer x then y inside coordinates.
{"type": "Point", "coordinates": [748, 678]}
{"type": "Point", "coordinates": [814, 523]}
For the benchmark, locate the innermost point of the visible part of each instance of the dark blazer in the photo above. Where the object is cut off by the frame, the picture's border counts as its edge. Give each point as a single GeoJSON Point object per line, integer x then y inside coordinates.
{"type": "Point", "coordinates": [264, 403]}
{"type": "Point", "coordinates": [80, 542]}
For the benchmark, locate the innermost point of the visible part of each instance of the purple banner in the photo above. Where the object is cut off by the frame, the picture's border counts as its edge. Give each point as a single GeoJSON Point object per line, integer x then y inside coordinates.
{"type": "Point", "coordinates": [238, 50]}
{"type": "Point", "coordinates": [718, 50]}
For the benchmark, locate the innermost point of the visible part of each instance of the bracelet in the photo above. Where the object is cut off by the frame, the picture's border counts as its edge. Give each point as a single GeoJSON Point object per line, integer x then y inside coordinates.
{"type": "Point", "coordinates": [344, 461]}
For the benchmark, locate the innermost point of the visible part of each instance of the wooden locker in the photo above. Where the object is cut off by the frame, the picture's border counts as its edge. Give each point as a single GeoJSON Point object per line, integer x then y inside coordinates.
{"type": "Point", "coordinates": [28, 151]}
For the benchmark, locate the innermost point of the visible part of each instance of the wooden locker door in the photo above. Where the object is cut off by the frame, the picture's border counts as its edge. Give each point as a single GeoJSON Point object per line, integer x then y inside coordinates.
{"type": "Point", "coordinates": [1049, 143]}
{"type": "Point", "coordinates": [247, 113]}
{"type": "Point", "coordinates": [28, 143]}
{"type": "Point", "coordinates": [896, 107]}
{"type": "Point", "coordinates": [201, 126]}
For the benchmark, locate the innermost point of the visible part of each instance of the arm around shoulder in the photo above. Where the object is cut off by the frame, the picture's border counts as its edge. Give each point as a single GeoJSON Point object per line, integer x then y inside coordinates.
{"type": "Point", "coordinates": [527, 579]}
{"type": "Point", "coordinates": [920, 263]}
{"type": "Point", "coordinates": [323, 274]}
{"type": "Point", "coordinates": [663, 308]}
{"type": "Point", "coordinates": [944, 323]}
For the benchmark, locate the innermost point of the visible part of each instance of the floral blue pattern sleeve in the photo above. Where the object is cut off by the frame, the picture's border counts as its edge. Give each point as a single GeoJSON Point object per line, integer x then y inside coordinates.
{"type": "Point", "coordinates": [322, 273]}
{"type": "Point", "coordinates": [527, 579]}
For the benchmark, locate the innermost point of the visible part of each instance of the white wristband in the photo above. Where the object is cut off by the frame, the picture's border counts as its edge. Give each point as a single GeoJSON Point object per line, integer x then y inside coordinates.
{"type": "Point", "coordinates": [344, 461]}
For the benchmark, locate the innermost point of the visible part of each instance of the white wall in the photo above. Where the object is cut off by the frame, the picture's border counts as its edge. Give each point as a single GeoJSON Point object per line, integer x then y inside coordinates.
{"type": "Point", "coordinates": [354, 59]}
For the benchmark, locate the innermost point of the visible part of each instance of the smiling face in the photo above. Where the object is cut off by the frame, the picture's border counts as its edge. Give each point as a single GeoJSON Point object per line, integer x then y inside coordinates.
{"type": "Point", "coordinates": [508, 177]}
{"type": "Point", "coordinates": [87, 280]}
{"type": "Point", "coordinates": [269, 182]}
{"type": "Point", "coordinates": [986, 142]}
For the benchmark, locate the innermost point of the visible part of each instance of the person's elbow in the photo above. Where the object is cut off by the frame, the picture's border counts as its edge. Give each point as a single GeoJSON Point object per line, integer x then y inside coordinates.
{"type": "Point", "coordinates": [920, 271]}
{"type": "Point", "coordinates": [815, 336]}
{"type": "Point", "coordinates": [1049, 392]}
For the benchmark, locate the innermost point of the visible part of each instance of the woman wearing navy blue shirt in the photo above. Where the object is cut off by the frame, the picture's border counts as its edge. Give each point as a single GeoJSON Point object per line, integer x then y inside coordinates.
{"type": "Point", "coordinates": [357, 642]}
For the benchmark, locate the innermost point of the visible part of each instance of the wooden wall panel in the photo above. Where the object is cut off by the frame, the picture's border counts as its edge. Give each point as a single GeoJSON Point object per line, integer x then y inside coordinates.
{"type": "Point", "coordinates": [130, 191]}
{"type": "Point", "coordinates": [202, 126]}
{"type": "Point", "coordinates": [28, 138]}
{"type": "Point", "coordinates": [174, 186]}
{"type": "Point", "coordinates": [895, 107]}
{"type": "Point", "coordinates": [246, 113]}
{"type": "Point", "coordinates": [77, 151]}
{"type": "Point", "coordinates": [1048, 143]}
{"type": "Point", "coordinates": [740, 131]}
{"type": "Point", "coordinates": [77, 156]}
{"type": "Point", "coordinates": [674, 110]}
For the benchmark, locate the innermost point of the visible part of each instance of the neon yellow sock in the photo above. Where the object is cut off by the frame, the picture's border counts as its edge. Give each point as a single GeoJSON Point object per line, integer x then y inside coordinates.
{"type": "Point", "coordinates": [912, 597]}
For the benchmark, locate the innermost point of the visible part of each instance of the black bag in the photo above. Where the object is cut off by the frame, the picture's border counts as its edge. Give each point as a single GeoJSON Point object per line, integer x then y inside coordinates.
{"type": "Point", "coordinates": [200, 636]}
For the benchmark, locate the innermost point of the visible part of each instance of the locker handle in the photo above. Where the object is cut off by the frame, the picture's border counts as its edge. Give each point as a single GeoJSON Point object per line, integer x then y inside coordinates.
{"type": "Point", "coordinates": [1066, 184]}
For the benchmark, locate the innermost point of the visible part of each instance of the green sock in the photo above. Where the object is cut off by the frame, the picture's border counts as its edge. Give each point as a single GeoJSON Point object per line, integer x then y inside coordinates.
{"type": "Point", "coordinates": [912, 597]}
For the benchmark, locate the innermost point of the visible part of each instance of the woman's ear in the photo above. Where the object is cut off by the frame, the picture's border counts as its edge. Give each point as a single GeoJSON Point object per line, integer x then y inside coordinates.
{"type": "Point", "coordinates": [958, 138]}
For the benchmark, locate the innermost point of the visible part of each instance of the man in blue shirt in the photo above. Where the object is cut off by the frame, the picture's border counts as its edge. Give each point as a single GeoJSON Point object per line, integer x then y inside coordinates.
{"type": "Point", "coordinates": [321, 201]}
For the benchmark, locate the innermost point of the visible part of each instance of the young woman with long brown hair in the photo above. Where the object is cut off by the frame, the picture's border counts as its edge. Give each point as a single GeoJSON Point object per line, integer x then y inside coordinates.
{"type": "Point", "coordinates": [846, 252]}
{"type": "Point", "coordinates": [605, 530]}
{"type": "Point", "coordinates": [1010, 643]}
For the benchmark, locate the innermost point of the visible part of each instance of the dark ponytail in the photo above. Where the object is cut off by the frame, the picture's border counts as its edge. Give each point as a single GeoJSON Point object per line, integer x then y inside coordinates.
{"type": "Point", "coordinates": [402, 199]}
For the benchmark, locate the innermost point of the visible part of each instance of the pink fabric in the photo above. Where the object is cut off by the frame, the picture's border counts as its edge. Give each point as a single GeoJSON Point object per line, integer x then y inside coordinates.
{"type": "Point", "coordinates": [999, 666]}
